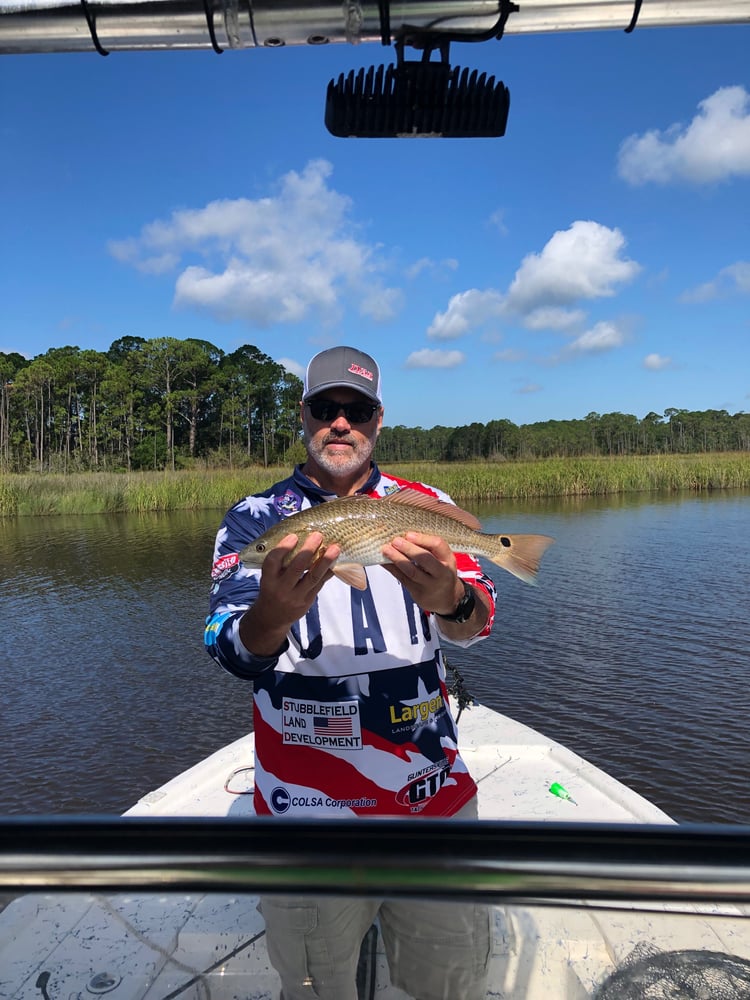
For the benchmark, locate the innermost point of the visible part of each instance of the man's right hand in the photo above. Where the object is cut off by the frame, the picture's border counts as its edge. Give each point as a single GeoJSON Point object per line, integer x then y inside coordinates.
{"type": "Point", "coordinates": [287, 591]}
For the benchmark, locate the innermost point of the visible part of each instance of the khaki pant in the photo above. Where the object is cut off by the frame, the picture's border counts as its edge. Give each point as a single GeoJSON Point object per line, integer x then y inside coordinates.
{"type": "Point", "coordinates": [436, 950]}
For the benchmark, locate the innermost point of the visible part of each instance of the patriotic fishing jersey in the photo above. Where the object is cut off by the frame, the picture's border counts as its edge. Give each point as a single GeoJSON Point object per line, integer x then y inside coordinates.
{"type": "Point", "coordinates": [352, 716]}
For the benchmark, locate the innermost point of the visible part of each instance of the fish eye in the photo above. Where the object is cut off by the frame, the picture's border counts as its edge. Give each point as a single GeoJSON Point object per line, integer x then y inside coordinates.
{"type": "Point", "coordinates": [260, 547]}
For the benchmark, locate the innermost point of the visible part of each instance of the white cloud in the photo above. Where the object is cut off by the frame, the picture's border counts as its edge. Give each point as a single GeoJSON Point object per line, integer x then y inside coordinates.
{"type": "Point", "coordinates": [423, 264]}
{"type": "Point", "coordinates": [713, 147]}
{"type": "Point", "coordinates": [129, 252]}
{"type": "Point", "coordinates": [604, 336]}
{"type": "Point", "coordinates": [466, 311]}
{"type": "Point", "coordinates": [582, 262]}
{"type": "Point", "coordinates": [497, 221]}
{"type": "Point", "coordinates": [428, 264]}
{"type": "Point", "coordinates": [701, 293]}
{"type": "Point", "coordinates": [382, 304]}
{"type": "Point", "coordinates": [528, 388]}
{"type": "Point", "coordinates": [262, 296]}
{"type": "Point", "coordinates": [428, 358]}
{"type": "Point", "coordinates": [269, 260]}
{"type": "Point", "coordinates": [656, 362]}
{"type": "Point", "coordinates": [554, 318]}
{"type": "Point", "coordinates": [292, 366]}
{"type": "Point", "coordinates": [732, 279]}
{"type": "Point", "coordinates": [740, 274]}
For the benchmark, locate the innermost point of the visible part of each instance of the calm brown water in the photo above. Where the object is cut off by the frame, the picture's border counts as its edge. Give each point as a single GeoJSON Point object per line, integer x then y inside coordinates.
{"type": "Point", "coordinates": [634, 651]}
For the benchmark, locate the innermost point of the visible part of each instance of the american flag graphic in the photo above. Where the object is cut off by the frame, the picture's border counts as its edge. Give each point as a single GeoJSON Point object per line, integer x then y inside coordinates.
{"type": "Point", "coordinates": [336, 726]}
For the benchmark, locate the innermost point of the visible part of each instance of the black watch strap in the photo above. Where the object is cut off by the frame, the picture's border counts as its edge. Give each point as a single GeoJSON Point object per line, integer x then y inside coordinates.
{"type": "Point", "coordinates": [465, 607]}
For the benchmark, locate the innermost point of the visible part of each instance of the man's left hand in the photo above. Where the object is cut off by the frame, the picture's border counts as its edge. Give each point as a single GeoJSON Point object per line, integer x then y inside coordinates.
{"type": "Point", "coordinates": [426, 566]}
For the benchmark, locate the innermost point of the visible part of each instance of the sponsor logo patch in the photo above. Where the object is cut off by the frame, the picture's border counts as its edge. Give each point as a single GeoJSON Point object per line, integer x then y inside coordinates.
{"type": "Point", "coordinates": [213, 627]}
{"type": "Point", "coordinates": [359, 370]}
{"type": "Point", "coordinates": [417, 793]}
{"type": "Point", "coordinates": [282, 801]}
{"type": "Point", "coordinates": [417, 711]}
{"type": "Point", "coordinates": [329, 726]}
{"type": "Point", "coordinates": [225, 566]}
{"type": "Point", "coordinates": [288, 503]}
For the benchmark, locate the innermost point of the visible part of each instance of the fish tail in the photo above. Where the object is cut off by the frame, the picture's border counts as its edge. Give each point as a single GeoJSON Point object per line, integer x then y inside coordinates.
{"type": "Point", "coordinates": [521, 554]}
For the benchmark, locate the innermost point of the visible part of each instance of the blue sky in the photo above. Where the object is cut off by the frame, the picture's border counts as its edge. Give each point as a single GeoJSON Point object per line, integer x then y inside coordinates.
{"type": "Point", "coordinates": [595, 258]}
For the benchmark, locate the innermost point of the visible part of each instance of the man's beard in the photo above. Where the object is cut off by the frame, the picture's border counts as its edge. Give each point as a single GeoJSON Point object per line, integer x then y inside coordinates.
{"type": "Point", "coordinates": [354, 459]}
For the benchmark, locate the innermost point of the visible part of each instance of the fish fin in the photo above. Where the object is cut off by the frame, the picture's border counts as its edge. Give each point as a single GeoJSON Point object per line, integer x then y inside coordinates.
{"type": "Point", "coordinates": [414, 498]}
{"type": "Point", "coordinates": [351, 573]}
{"type": "Point", "coordinates": [522, 554]}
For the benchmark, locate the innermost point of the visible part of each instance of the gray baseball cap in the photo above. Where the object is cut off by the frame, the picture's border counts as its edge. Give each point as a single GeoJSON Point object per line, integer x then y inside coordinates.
{"type": "Point", "coordinates": [343, 367]}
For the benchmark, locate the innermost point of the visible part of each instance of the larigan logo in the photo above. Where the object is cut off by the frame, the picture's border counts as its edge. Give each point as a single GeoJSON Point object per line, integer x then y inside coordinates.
{"type": "Point", "coordinates": [423, 711]}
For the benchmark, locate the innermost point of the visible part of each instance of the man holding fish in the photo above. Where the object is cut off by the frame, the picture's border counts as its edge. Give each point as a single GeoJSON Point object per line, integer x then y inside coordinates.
{"type": "Point", "coordinates": [332, 591]}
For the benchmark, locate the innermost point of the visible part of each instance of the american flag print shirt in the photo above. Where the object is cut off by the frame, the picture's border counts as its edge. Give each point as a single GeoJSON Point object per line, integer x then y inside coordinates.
{"type": "Point", "coordinates": [352, 717]}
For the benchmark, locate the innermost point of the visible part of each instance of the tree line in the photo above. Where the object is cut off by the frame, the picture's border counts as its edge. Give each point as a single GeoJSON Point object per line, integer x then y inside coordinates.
{"type": "Point", "coordinates": [675, 431]}
{"type": "Point", "coordinates": [145, 404]}
{"type": "Point", "coordinates": [166, 403]}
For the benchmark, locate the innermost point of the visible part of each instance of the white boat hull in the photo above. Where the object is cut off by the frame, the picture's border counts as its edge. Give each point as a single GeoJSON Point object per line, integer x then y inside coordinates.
{"type": "Point", "coordinates": [159, 947]}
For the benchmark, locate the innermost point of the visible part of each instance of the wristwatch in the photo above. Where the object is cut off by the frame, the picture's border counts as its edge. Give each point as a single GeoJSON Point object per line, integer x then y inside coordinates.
{"type": "Point", "coordinates": [465, 607]}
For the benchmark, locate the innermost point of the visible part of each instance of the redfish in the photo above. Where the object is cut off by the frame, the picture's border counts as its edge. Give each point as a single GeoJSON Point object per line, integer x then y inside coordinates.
{"type": "Point", "coordinates": [361, 526]}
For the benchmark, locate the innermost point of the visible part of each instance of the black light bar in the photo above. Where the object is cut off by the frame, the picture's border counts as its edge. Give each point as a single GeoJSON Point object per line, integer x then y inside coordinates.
{"type": "Point", "coordinates": [416, 99]}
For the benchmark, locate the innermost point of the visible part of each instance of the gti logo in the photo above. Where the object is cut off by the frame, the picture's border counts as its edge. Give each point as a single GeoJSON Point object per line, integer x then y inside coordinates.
{"type": "Point", "coordinates": [280, 800]}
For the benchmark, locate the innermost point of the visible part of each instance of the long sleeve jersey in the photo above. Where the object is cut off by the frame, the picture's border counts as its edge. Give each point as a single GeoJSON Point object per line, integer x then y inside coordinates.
{"type": "Point", "coordinates": [351, 717]}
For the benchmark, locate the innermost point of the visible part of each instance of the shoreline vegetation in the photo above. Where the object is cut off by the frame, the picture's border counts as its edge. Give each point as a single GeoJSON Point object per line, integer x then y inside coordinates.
{"type": "Point", "coordinates": [148, 405]}
{"type": "Point", "coordinates": [37, 494]}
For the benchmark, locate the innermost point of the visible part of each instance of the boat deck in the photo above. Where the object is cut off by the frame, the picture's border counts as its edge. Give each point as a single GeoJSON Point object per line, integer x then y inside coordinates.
{"type": "Point", "coordinates": [513, 765]}
{"type": "Point", "coordinates": [159, 947]}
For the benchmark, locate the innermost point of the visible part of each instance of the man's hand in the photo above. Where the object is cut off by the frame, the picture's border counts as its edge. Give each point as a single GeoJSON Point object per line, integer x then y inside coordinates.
{"type": "Point", "coordinates": [426, 567]}
{"type": "Point", "coordinates": [286, 591]}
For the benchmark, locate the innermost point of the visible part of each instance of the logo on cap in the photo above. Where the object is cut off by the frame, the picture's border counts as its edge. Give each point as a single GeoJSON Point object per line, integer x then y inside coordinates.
{"type": "Point", "coordinates": [359, 370]}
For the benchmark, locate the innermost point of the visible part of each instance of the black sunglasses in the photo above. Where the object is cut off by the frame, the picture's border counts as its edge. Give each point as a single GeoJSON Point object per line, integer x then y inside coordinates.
{"type": "Point", "coordinates": [329, 409]}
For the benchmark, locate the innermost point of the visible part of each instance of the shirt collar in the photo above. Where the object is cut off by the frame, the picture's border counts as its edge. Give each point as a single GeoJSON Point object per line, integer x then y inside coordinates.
{"type": "Point", "coordinates": [313, 491]}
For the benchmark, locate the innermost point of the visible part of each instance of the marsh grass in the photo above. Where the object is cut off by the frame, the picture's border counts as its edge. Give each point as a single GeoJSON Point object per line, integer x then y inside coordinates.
{"type": "Point", "coordinates": [586, 476]}
{"type": "Point", "coordinates": [109, 493]}
{"type": "Point", "coordinates": [100, 493]}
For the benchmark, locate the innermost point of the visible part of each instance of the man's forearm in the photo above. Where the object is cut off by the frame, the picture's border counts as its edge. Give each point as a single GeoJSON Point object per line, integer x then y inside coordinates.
{"type": "Point", "coordinates": [260, 635]}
